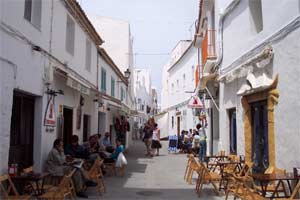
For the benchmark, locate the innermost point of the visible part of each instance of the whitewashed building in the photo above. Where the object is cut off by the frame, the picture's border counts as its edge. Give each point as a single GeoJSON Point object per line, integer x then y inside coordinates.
{"type": "Point", "coordinates": [143, 95]}
{"type": "Point", "coordinates": [49, 54]}
{"type": "Point", "coordinates": [257, 67]}
{"type": "Point", "coordinates": [118, 43]}
{"type": "Point", "coordinates": [178, 86]}
{"type": "Point", "coordinates": [113, 98]}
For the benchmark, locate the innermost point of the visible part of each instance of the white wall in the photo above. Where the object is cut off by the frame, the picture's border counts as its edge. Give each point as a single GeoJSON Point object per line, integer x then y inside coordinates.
{"type": "Point", "coordinates": [245, 35]}
{"type": "Point", "coordinates": [183, 67]}
{"type": "Point", "coordinates": [76, 62]}
{"type": "Point", "coordinates": [285, 63]}
{"type": "Point", "coordinates": [116, 34]}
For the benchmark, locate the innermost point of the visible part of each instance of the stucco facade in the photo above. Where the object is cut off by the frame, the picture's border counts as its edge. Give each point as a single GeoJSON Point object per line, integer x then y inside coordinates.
{"type": "Point", "coordinates": [36, 61]}
{"type": "Point", "coordinates": [263, 30]}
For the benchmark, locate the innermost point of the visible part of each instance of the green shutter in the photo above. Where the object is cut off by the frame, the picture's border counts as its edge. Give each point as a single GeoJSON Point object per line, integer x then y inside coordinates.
{"type": "Point", "coordinates": [103, 79]}
{"type": "Point", "coordinates": [112, 87]}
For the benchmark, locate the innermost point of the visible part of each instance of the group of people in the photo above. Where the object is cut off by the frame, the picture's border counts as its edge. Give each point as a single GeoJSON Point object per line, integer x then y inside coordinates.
{"type": "Point", "coordinates": [193, 141]}
{"type": "Point", "coordinates": [151, 138]}
{"type": "Point", "coordinates": [59, 160]}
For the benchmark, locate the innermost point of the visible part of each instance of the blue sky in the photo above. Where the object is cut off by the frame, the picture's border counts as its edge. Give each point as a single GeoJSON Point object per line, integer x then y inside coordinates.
{"type": "Point", "coordinates": [156, 25]}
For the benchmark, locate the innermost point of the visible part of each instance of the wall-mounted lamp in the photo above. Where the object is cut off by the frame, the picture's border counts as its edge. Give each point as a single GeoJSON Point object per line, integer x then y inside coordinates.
{"type": "Point", "coordinates": [54, 92]}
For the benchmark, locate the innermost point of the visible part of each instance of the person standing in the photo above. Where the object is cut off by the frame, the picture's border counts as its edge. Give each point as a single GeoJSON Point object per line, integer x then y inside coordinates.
{"type": "Point", "coordinates": [156, 140]}
{"type": "Point", "coordinates": [148, 131]}
{"type": "Point", "coordinates": [203, 145]}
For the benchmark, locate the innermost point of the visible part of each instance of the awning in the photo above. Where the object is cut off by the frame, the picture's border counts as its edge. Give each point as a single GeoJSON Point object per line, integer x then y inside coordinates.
{"type": "Point", "coordinates": [73, 81]}
{"type": "Point", "coordinates": [77, 84]}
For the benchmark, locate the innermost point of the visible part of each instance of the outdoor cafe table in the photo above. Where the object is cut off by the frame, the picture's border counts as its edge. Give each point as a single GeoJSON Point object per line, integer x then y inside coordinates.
{"type": "Point", "coordinates": [265, 179]}
{"type": "Point", "coordinates": [214, 159]}
{"type": "Point", "coordinates": [32, 179]}
{"type": "Point", "coordinates": [222, 165]}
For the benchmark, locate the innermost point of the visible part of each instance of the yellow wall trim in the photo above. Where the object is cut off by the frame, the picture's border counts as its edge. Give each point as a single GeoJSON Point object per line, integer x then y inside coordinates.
{"type": "Point", "coordinates": [271, 94]}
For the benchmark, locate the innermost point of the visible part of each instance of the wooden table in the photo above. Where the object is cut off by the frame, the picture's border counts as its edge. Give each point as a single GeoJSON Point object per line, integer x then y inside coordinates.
{"type": "Point", "coordinates": [32, 179]}
{"type": "Point", "coordinates": [222, 165]}
{"type": "Point", "coordinates": [265, 179]}
{"type": "Point", "coordinates": [215, 159]}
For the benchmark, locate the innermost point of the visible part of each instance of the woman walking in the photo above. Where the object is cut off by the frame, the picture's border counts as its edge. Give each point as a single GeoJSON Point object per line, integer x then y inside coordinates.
{"type": "Point", "coordinates": [156, 140]}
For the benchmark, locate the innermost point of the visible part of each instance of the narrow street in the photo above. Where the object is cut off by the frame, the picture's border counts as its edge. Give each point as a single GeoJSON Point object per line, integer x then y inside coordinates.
{"type": "Point", "coordinates": [152, 178]}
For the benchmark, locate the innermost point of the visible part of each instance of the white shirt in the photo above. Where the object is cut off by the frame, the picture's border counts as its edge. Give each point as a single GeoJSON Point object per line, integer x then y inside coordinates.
{"type": "Point", "coordinates": [155, 135]}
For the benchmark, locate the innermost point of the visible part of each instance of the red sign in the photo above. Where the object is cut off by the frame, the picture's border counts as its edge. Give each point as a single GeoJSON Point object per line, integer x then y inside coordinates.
{"type": "Point", "coordinates": [195, 102]}
{"type": "Point", "coordinates": [50, 118]}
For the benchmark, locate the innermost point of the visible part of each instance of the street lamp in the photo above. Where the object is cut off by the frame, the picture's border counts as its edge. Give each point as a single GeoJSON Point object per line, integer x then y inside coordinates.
{"type": "Point", "coordinates": [127, 74]}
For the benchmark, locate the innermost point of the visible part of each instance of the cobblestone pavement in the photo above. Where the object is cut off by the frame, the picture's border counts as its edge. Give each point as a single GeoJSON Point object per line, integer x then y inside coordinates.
{"type": "Point", "coordinates": [160, 177]}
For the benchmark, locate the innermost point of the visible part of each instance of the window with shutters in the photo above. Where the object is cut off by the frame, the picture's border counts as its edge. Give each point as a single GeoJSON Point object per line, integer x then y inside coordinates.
{"type": "Point", "coordinates": [33, 12]}
{"type": "Point", "coordinates": [88, 55]}
{"type": "Point", "coordinates": [112, 87]}
{"type": "Point", "coordinates": [70, 35]}
{"type": "Point", "coordinates": [103, 79]}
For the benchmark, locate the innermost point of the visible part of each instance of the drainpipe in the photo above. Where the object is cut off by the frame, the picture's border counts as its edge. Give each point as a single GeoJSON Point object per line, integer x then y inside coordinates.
{"type": "Point", "coordinates": [229, 8]}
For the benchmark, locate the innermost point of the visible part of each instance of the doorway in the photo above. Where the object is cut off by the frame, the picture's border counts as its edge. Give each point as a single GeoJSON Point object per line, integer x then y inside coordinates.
{"type": "Point", "coordinates": [68, 125]}
{"type": "Point", "coordinates": [232, 131]}
{"type": "Point", "coordinates": [260, 143]}
{"type": "Point", "coordinates": [22, 130]}
{"type": "Point", "coordinates": [86, 127]}
{"type": "Point", "coordinates": [178, 126]}
{"type": "Point", "coordinates": [101, 123]}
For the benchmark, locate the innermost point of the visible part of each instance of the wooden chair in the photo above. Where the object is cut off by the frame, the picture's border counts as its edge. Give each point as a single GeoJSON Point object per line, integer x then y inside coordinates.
{"type": "Point", "coordinates": [235, 181]}
{"type": "Point", "coordinates": [296, 191]}
{"type": "Point", "coordinates": [95, 173]}
{"type": "Point", "coordinates": [188, 165]}
{"type": "Point", "coordinates": [208, 177]}
{"type": "Point", "coordinates": [8, 190]}
{"type": "Point", "coordinates": [245, 190]}
{"type": "Point", "coordinates": [64, 189]}
{"type": "Point", "coordinates": [193, 167]}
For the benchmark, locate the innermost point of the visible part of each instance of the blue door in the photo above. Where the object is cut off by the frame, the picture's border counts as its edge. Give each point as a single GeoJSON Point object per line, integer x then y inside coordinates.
{"type": "Point", "coordinates": [260, 144]}
{"type": "Point", "coordinates": [232, 125]}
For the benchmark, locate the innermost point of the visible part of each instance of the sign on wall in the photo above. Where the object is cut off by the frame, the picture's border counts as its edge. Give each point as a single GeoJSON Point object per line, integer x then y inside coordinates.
{"type": "Point", "coordinates": [50, 118]}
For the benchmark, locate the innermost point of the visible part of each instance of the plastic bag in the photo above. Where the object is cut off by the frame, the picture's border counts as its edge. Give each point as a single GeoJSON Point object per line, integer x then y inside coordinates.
{"type": "Point", "coordinates": [121, 160]}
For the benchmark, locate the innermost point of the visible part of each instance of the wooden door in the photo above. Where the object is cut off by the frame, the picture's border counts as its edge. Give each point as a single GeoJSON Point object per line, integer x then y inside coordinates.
{"type": "Point", "coordinates": [22, 130]}
{"type": "Point", "coordinates": [260, 144]}
{"type": "Point", "coordinates": [68, 125]}
{"type": "Point", "coordinates": [232, 131]}
{"type": "Point", "coordinates": [86, 127]}
{"type": "Point", "coordinates": [178, 126]}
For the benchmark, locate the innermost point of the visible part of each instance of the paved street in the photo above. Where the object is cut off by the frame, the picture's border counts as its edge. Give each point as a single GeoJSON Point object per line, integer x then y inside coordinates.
{"type": "Point", "coordinates": [152, 178]}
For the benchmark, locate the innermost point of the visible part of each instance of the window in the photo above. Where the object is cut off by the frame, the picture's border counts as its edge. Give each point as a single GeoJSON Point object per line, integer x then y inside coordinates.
{"type": "Point", "coordinates": [103, 79]}
{"type": "Point", "coordinates": [256, 15]}
{"type": "Point", "coordinates": [112, 89]}
{"type": "Point", "coordinates": [183, 77]}
{"type": "Point", "coordinates": [172, 87]}
{"type": "Point", "coordinates": [122, 94]}
{"type": "Point", "coordinates": [33, 12]}
{"type": "Point", "coordinates": [172, 122]}
{"type": "Point", "coordinates": [88, 55]}
{"type": "Point", "coordinates": [70, 35]}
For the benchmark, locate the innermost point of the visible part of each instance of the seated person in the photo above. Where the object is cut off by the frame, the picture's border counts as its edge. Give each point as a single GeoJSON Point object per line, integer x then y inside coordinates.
{"type": "Point", "coordinates": [56, 164]}
{"type": "Point", "coordinates": [105, 143]}
{"type": "Point", "coordinates": [92, 148]}
{"type": "Point", "coordinates": [75, 150]}
{"type": "Point", "coordinates": [196, 143]}
{"type": "Point", "coordinates": [113, 157]}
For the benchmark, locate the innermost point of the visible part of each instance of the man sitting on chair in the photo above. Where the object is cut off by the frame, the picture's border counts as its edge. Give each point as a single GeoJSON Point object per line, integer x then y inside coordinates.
{"type": "Point", "coordinates": [56, 164]}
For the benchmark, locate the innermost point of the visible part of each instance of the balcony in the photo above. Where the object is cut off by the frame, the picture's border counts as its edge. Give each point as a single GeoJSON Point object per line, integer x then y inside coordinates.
{"type": "Point", "coordinates": [209, 47]}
